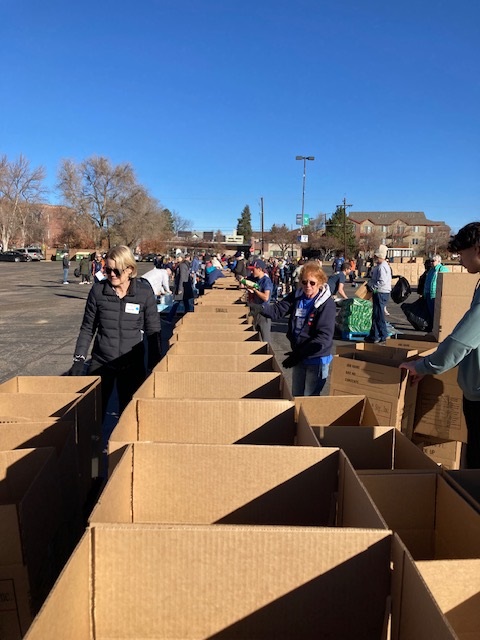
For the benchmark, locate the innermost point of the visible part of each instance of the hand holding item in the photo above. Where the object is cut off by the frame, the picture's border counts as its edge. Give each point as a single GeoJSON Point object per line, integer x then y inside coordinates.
{"type": "Point", "coordinates": [77, 368]}
{"type": "Point", "coordinates": [410, 367]}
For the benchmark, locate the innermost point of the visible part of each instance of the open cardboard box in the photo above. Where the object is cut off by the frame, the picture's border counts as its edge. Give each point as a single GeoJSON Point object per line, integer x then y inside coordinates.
{"type": "Point", "coordinates": [218, 328]}
{"type": "Point", "coordinates": [345, 410]}
{"type": "Point", "coordinates": [216, 363]}
{"type": "Point", "coordinates": [219, 348]}
{"type": "Point", "coordinates": [447, 453]}
{"type": "Point", "coordinates": [30, 509]}
{"type": "Point", "coordinates": [382, 448]}
{"type": "Point", "coordinates": [214, 385]}
{"type": "Point", "coordinates": [467, 483]}
{"type": "Point", "coordinates": [375, 374]}
{"type": "Point", "coordinates": [431, 518]}
{"type": "Point", "coordinates": [453, 298]}
{"type": "Point", "coordinates": [192, 319]}
{"type": "Point", "coordinates": [213, 336]}
{"type": "Point", "coordinates": [250, 582]}
{"type": "Point", "coordinates": [203, 422]}
{"type": "Point", "coordinates": [222, 311]}
{"type": "Point", "coordinates": [60, 435]}
{"type": "Point", "coordinates": [245, 484]}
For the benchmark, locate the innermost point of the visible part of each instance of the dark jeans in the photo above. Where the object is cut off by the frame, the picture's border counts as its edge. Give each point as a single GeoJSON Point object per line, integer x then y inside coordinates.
{"type": "Point", "coordinates": [471, 411]}
{"type": "Point", "coordinates": [379, 326]}
{"type": "Point", "coordinates": [128, 379]}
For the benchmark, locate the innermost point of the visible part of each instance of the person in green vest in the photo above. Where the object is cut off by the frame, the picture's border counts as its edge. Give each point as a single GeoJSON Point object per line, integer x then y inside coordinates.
{"type": "Point", "coordinates": [430, 286]}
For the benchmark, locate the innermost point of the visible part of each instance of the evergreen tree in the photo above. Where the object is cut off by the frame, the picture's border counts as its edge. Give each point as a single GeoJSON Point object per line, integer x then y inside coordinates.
{"type": "Point", "coordinates": [343, 231]}
{"type": "Point", "coordinates": [244, 224]}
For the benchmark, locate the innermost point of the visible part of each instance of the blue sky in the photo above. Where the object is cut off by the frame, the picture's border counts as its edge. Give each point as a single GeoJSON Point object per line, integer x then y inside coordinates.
{"type": "Point", "coordinates": [211, 101]}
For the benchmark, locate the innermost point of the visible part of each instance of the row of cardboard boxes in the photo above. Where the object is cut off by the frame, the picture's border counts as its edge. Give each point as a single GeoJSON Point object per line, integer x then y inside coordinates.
{"type": "Point", "coordinates": [267, 421]}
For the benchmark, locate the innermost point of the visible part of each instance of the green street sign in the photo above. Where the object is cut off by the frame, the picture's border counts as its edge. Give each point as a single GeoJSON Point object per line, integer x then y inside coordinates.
{"type": "Point", "coordinates": [306, 220]}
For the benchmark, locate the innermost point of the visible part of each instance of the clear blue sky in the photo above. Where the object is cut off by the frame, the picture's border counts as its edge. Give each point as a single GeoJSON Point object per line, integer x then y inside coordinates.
{"type": "Point", "coordinates": [211, 100]}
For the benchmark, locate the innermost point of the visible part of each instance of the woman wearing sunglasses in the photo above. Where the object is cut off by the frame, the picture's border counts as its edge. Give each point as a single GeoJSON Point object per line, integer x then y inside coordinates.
{"type": "Point", "coordinates": [310, 330]}
{"type": "Point", "coordinates": [120, 309]}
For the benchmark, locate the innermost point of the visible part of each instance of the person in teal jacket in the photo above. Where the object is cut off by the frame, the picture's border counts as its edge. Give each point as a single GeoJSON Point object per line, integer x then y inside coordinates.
{"type": "Point", "coordinates": [462, 347]}
{"type": "Point", "coordinates": [430, 287]}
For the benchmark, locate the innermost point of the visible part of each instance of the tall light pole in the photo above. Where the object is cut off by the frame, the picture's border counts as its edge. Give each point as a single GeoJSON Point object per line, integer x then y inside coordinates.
{"type": "Point", "coordinates": [304, 158]}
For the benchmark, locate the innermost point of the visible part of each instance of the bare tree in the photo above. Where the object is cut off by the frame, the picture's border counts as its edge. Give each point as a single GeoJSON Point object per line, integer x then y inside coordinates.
{"type": "Point", "coordinates": [142, 218]}
{"type": "Point", "coordinates": [21, 188]}
{"type": "Point", "coordinates": [100, 190]}
{"type": "Point", "coordinates": [179, 223]}
{"type": "Point", "coordinates": [282, 236]}
{"type": "Point", "coordinates": [436, 241]}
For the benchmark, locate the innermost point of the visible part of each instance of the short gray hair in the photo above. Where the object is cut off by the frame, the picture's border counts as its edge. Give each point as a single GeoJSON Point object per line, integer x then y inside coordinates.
{"type": "Point", "coordinates": [437, 257]}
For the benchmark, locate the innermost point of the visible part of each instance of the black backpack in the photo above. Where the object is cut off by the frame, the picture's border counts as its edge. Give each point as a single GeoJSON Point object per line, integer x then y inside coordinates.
{"type": "Point", "coordinates": [401, 290]}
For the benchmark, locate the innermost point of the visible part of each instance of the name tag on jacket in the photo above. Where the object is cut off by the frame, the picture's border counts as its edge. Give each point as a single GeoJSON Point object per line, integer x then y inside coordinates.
{"type": "Point", "coordinates": [132, 308]}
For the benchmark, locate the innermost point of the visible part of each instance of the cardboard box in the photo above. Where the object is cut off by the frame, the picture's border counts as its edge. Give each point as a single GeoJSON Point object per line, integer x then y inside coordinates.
{"type": "Point", "coordinates": [455, 587]}
{"type": "Point", "coordinates": [79, 408]}
{"type": "Point", "coordinates": [438, 410]}
{"type": "Point", "coordinates": [211, 318]}
{"type": "Point", "coordinates": [163, 483]}
{"type": "Point", "coordinates": [29, 521]}
{"type": "Point", "coordinates": [217, 329]}
{"type": "Point", "coordinates": [212, 336]}
{"type": "Point", "coordinates": [203, 422]}
{"type": "Point", "coordinates": [340, 410]}
{"type": "Point", "coordinates": [215, 363]}
{"type": "Point", "coordinates": [214, 385]}
{"type": "Point", "coordinates": [222, 311]}
{"type": "Point", "coordinates": [222, 582]}
{"type": "Point", "coordinates": [430, 517]}
{"type": "Point", "coordinates": [61, 436]}
{"type": "Point", "coordinates": [219, 348]}
{"type": "Point", "coordinates": [391, 397]}
{"type": "Point", "coordinates": [467, 483]}
{"type": "Point", "coordinates": [383, 448]}
{"type": "Point", "coordinates": [454, 297]}
{"type": "Point", "coordinates": [447, 453]}
{"type": "Point", "coordinates": [415, 343]}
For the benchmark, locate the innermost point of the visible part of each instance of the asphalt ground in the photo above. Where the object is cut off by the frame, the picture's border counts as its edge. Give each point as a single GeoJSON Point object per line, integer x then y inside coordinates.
{"type": "Point", "coordinates": [40, 319]}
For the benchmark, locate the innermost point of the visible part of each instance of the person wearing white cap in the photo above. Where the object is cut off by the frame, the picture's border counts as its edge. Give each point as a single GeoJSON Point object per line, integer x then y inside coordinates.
{"type": "Point", "coordinates": [380, 284]}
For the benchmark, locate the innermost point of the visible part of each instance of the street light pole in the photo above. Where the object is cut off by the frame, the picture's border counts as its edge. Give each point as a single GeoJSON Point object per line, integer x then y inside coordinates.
{"type": "Point", "coordinates": [344, 206]}
{"type": "Point", "coordinates": [304, 158]}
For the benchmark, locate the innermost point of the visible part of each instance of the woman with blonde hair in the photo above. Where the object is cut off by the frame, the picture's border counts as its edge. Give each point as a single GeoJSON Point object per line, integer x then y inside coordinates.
{"type": "Point", "coordinates": [311, 326]}
{"type": "Point", "coordinates": [119, 311]}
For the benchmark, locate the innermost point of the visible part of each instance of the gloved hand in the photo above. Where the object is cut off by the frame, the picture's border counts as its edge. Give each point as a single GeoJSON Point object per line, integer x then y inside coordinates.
{"type": "Point", "coordinates": [291, 360]}
{"type": "Point", "coordinates": [77, 367]}
{"type": "Point", "coordinates": [255, 308]}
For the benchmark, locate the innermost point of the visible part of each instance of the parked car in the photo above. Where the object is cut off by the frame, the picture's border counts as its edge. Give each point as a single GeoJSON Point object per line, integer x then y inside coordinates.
{"type": "Point", "coordinates": [14, 256]}
{"type": "Point", "coordinates": [31, 253]}
{"type": "Point", "coordinates": [34, 250]}
{"type": "Point", "coordinates": [149, 257]}
{"type": "Point", "coordinates": [137, 256]}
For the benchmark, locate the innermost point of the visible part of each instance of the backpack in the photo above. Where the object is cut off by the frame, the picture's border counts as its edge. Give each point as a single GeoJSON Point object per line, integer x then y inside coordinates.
{"type": "Point", "coordinates": [401, 290]}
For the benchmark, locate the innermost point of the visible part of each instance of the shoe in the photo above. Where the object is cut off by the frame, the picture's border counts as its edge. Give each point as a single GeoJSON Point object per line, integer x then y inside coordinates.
{"type": "Point", "coordinates": [371, 340]}
{"type": "Point", "coordinates": [65, 282]}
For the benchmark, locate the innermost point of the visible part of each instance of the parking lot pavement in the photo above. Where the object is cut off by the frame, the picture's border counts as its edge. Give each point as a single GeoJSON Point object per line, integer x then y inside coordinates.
{"type": "Point", "coordinates": [40, 319]}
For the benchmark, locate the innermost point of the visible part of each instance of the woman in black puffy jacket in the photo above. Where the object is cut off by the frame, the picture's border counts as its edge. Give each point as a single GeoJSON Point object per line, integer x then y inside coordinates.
{"type": "Point", "coordinates": [120, 310]}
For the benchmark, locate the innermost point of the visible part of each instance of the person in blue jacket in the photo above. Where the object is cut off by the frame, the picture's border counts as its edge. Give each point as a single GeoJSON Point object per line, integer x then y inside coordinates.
{"type": "Point", "coordinates": [462, 347]}
{"type": "Point", "coordinates": [430, 286]}
{"type": "Point", "coordinates": [311, 326]}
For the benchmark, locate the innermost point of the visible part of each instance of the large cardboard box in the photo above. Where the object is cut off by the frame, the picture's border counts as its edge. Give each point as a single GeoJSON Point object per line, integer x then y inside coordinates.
{"type": "Point", "coordinates": [29, 521]}
{"type": "Point", "coordinates": [222, 311]}
{"type": "Point", "coordinates": [383, 448]}
{"type": "Point", "coordinates": [339, 410]}
{"type": "Point", "coordinates": [212, 336]}
{"type": "Point", "coordinates": [214, 385]}
{"type": "Point", "coordinates": [454, 296]}
{"type": "Point", "coordinates": [203, 422]}
{"type": "Point", "coordinates": [438, 410]}
{"type": "Point", "coordinates": [219, 348]}
{"type": "Point", "coordinates": [377, 376]}
{"type": "Point", "coordinates": [215, 363]}
{"type": "Point", "coordinates": [455, 586]}
{"type": "Point", "coordinates": [447, 453]}
{"type": "Point", "coordinates": [245, 484]}
{"type": "Point", "coordinates": [79, 408]}
{"type": "Point", "coordinates": [430, 517]}
{"type": "Point", "coordinates": [223, 582]}
{"type": "Point", "coordinates": [193, 319]}
{"type": "Point", "coordinates": [60, 435]}
{"type": "Point", "coordinates": [217, 329]}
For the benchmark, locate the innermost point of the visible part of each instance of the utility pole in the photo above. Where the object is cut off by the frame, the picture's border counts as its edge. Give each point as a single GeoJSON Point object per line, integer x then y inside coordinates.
{"type": "Point", "coordinates": [344, 205]}
{"type": "Point", "coordinates": [261, 220]}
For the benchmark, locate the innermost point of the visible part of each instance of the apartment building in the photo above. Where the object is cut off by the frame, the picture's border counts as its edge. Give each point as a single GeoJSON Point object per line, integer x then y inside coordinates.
{"type": "Point", "coordinates": [408, 229]}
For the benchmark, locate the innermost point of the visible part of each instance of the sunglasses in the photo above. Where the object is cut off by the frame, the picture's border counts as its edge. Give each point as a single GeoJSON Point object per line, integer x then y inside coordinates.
{"type": "Point", "coordinates": [116, 272]}
{"type": "Point", "coordinates": [312, 283]}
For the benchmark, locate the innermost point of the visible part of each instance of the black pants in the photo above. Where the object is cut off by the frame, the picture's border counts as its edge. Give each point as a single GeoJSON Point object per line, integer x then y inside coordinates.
{"type": "Point", "coordinates": [471, 411]}
{"type": "Point", "coordinates": [128, 380]}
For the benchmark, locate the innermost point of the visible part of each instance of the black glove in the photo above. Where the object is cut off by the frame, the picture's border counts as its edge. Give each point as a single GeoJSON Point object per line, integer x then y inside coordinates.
{"type": "Point", "coordinates": [77, 368]}
{"type": "Point", "coordinates": [291, 360]}
{"type": "Point", "coordinates": [370, 288]}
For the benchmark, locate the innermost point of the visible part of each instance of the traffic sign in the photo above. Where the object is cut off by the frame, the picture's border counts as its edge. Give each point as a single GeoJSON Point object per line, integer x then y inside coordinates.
{"type": "Point", "coordinates": [298, 219]}
{"type": "Point", "coordinates": [306, 220]}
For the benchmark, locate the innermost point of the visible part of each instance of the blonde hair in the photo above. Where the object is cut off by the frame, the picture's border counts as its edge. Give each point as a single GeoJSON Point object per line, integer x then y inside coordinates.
{"type": "Point", "coordinates": [313, 270]}
{"type": "Point", "coordinates": [123, 257]}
